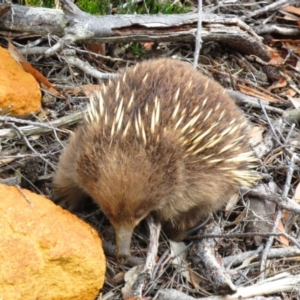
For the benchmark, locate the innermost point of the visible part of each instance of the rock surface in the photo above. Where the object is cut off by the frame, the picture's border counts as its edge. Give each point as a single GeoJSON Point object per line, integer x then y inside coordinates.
{"type": "Point", "coordinates": [45, 251]}
{"type": "Point", "coordinates": [19, 92]}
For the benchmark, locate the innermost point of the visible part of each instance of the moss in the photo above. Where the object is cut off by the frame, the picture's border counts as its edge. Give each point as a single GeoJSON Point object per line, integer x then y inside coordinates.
{"type": "Point", "coordinates": [94, 7]}
{"type": "Point", "coordinates": [41, 3]}
{"type": "Point", "coordinates": [151, 7]}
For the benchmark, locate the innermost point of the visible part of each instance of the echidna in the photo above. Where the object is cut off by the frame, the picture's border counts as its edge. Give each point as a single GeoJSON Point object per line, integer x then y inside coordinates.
{"type": "Point", "coordinates": [161, 139]}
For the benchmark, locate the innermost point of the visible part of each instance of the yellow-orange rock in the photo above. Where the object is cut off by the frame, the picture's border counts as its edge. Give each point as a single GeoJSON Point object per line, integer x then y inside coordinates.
{"type": "Point", "coordinates": [45, 251]}
{"type": "Point", "coordinates": [19, 91]}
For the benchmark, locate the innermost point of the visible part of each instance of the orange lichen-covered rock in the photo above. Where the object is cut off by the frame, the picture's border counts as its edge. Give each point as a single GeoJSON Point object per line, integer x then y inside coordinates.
{"type": "Point", "coordinates": [19, 91]}
{"type": "Point", "coordinates": [45, 251]}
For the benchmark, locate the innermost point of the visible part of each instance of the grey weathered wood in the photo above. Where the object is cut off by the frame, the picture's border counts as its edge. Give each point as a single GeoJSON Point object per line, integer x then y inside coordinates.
{"type": "Point", "coordinates": [34, 20]}
{"type": "Point", "coordinates": [78, 26]}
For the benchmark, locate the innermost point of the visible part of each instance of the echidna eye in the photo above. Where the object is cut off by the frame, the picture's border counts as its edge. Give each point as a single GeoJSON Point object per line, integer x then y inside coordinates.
{"type": "Point", "coordinates": [139, 213]}
{"type": "Point", "coordinates": [106, 213]}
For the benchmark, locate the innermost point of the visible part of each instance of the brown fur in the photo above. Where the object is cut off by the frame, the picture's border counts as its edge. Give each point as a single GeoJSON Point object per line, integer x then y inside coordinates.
{"type": "Point", "coordinates": [180, 173]}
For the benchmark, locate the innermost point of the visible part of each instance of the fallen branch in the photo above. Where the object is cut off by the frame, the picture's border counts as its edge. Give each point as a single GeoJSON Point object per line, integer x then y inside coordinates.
{"type": "Point", "coordinates": [279, 283]}
{"type": "Point", "coordinates": [74, 25]}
